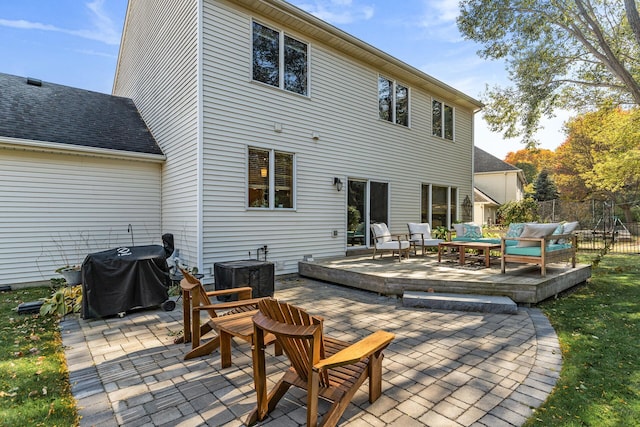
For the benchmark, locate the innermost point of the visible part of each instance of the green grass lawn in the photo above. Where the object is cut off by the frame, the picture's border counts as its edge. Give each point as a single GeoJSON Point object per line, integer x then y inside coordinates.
{"type": "Point", "coordinates": [34, 381]}
{"type": "Point", "coordinates": [597, 325]}
{"type": "Point", "coordinates": [598, 329]}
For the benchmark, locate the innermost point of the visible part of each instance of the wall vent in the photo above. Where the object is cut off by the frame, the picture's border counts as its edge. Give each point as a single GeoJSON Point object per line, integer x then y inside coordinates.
{"type": "Point", "coordinates": [34, 82]}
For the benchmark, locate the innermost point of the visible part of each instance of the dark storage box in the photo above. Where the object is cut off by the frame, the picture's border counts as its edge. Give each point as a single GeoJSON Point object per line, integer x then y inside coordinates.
{"type": "Point", "coordinates": [235, 274]}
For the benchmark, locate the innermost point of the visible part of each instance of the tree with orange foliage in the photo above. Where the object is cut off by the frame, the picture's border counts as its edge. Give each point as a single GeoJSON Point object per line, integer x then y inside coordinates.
{"type": "Point", "coordinates": [531, 160]}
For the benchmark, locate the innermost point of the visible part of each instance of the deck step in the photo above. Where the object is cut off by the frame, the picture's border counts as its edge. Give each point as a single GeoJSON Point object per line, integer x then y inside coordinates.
{"type": "Point", "coordinates": [461, 302]}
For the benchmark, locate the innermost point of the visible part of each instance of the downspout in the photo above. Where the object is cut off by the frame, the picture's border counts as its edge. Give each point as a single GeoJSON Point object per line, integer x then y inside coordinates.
{"type": "Point", "coordinates": [200, 142]}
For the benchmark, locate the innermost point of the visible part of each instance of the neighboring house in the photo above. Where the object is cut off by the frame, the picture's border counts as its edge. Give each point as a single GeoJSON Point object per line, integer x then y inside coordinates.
{"type": "Point", "coordinates": [496, 182]}
{"type": "Point", "coordinates": [264, 111]}
{"type": "Point", "coordinates": [485, 209]}
{"type": "Point", "coordinates": [77, 168]}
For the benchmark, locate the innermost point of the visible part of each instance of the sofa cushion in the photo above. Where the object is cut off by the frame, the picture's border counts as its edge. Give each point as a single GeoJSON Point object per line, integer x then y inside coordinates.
{"type": "Point", "coordinates": [419, 231]}
{"type": "Point", "coordinates": [536, 231]}
{"type": "Point", "coordinates": [569, 227]}
{"type": "Point", "coordinates": [533, 250]}
{"type": "Point", "coordinates": [482, 240]}
{"type": "Point", "coordinates": [381, 231]}
{"type": "Point", "coordinates": [393, 245]}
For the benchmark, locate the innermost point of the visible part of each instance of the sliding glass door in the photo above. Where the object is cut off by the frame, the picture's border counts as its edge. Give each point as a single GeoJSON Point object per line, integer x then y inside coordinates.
{"type": "Point", "coordinates": [367, 203]}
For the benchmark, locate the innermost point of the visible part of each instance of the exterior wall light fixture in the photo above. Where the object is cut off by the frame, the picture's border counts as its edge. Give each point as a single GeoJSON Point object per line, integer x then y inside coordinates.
{"type": "Point", "coordinates": [338, 184]}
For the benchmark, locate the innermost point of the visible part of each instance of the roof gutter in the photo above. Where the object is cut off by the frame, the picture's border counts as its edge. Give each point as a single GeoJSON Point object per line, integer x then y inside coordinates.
{"type": "Point", "coordinates": [60, 148]}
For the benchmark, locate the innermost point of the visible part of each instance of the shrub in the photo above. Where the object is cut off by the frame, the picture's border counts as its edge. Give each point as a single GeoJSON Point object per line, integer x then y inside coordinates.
{"type": "Point", "coordinates": [65, 300]}
{"type": "Point", "coordinates": [523, 211]}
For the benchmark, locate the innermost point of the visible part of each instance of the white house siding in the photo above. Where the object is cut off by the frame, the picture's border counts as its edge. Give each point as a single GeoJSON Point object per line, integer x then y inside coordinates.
{"type": "Point", "coordinates": [501, 186]}
{"type": "Point", "coordinates": [57, 208]}
{"type": "Point", "coordinates": [343, 109]}
{"type": "Point", "coordinates": [158, 69]}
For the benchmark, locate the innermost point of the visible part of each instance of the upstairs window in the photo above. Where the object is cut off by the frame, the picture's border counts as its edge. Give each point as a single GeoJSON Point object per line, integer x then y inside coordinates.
{"type": "Point", "coordinates": [280, 60]}
{"type": "Point", "coordinates": [270, 179]}
{"type": "Point", "coordinates": [393, 101]}
{"type": "Point", "coordinates": [442, 120]}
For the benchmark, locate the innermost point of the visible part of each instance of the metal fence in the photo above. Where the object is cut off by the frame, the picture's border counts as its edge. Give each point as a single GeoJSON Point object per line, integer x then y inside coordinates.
{"type": "Point", "coordinates": [600, 224]}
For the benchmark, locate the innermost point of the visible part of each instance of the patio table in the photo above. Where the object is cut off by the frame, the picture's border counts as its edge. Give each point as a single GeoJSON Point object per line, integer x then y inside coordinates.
{"type": "Point", "coordinates": [462, 247]}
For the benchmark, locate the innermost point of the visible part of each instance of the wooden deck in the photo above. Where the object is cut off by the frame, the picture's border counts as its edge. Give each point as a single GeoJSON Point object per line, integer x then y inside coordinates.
{"type": "Point", "coordinates": [522, 282]}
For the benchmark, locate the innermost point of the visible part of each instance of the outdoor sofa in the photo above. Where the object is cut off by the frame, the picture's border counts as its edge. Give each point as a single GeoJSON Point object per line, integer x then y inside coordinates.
{"type": "Point", "coordinates": [529, 243]}
{"type": "Point", "coordinates": [539, 244]}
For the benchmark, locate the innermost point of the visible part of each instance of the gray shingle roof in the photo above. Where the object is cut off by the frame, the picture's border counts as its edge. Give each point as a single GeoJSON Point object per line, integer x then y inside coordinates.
{"type": "Point", "coordinates": [485, 162]}
{"type": "Point", "coordinates": [62, 114]}
{"type": "Point", "coordinates": [481, 197]}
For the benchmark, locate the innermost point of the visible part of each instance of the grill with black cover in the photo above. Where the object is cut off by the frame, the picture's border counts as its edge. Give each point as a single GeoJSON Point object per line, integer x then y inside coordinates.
{"type": "Point", "coordinates": [117, 280]}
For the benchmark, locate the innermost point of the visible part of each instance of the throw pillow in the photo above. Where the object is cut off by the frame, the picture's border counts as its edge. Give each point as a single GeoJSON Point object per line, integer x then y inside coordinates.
{"type": "Point", "coordinates": [536, 231]}
{"type": "Point", "coordinates": [471, 231]}
{"type": "Point", "coordinates": [515, 229]}
{"type": "Point", "coordinates": [559, 230]}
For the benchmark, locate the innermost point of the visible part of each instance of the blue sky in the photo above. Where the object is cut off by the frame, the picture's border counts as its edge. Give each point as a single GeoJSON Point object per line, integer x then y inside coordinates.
{"type": "Point", "coordinates": [75, 43]}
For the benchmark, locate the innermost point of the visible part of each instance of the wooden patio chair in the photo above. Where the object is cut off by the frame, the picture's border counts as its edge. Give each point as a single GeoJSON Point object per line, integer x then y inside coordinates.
{"type": "Point", "coordinates": [327, 368]}
{"type": "Point", "coordinates": [196, 299]}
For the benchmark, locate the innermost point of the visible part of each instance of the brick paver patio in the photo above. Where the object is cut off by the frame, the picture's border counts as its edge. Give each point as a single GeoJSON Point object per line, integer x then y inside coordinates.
{"type": "Point", "coordinates": [445, 368]}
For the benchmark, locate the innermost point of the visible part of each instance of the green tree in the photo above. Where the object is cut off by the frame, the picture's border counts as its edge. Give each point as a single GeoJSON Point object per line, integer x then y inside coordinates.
{"type": "Point", "coordinates": [568, 54]}
{"type": "Point", "coordinates": [544, 188]}
{"type": "Point", "coordinates": [529, 170]}
{"type": "Point", "coordinates": [525, 210]}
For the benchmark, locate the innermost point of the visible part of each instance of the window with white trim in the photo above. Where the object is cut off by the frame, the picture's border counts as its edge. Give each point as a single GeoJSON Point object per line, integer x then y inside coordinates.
{"type": "Point", "coordinates": [442, 116]}
{"type": "Point", "coordinates": [270, 179]}
{"type": "Point", "coordinates": [280, 60]}
{"type": "Point", "coordinates": [439, 205]}
{"type": "Point", "coordinates": [393, 101]}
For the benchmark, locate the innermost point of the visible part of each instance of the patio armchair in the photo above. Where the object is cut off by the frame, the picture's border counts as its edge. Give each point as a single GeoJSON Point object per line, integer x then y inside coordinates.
{"type": "Point", "coordinates": [420, 235]}
{"type": "Point", "coordinates": [383, 240]}
{"type": "Point", "coordinates": [196, 300]}
{"type": "Point", "coordinates": [325, 367]}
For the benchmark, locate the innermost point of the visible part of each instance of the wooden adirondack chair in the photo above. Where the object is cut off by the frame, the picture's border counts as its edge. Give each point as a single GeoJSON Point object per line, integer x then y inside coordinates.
{"type": "Point", "coordinates": [196, 299]}
{"type": "Point", "coordinates": [325, 367]}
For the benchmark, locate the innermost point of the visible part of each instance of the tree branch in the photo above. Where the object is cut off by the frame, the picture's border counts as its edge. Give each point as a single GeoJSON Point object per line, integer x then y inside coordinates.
{"type": "Point", "coordinates": [633, 17]}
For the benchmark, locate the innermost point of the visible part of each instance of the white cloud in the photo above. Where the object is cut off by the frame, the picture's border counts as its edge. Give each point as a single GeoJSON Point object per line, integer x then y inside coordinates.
{"type": "Point", "coordinates": [337, 12]}
{"type": "Point", "coordinates": [96, 53]}
{"type": "Point", "coordinates": [104, 30]}
{"type": "Point", "coordinates": [446, 10]}
{"type": "Point", "coordinates": [438, 20]}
